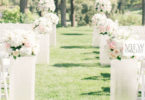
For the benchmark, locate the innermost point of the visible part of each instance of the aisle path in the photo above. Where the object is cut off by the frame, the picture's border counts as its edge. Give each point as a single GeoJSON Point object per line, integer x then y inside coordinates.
{"type": "Point", "coordinates": [74, 72]}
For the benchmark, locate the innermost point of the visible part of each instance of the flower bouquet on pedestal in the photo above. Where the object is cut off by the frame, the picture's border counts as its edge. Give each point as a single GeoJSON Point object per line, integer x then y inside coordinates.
{"type": "Point", "coordinates": [22, 47]}
{"type": "Point", "coordinates": [124, 69]}
{"type": "Point", "coordinates": [96, 36]}
{"type": "Point", "coordinates": [47, 8]}
{"type": "Point", "coordinates": [43, 28]}
{"type": "Point", "coordinates": [106, 28]}
{"type": "Point", "coordinates": [102, 7]}
{"type": "Point", "coordinates": [54, 19]}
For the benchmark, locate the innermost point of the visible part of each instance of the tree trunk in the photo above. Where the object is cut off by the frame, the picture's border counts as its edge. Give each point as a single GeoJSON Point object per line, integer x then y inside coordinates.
{"type": "Point", "coordinates": [72, 14]}
{"type": "Point", "coordinates": [121, 5]}
{"type": "Point", "coordinates": [63, 13]}
{"type": "Point", "coordinates": [143, 12]}
{"type": "Point", "coordinates": [23, 5]}
{"type": "Point", "coordinates": [14, 2]}
{"type": "Point", "coordinates": [56, 4]}
{"type": "Point", "coordinates": [32, 6]}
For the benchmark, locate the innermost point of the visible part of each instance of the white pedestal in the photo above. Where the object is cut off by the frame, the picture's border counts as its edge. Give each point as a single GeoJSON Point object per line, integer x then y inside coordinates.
{"type": "Point", "coordinates": [53, 36]}
{"type": "Point", "coordinates": [124, 83]}
{"type": "Point", "coordinates": [104, 55]}
{"type": "Point", "coordinates": [142, 80]}
{"type": "Point", "coordinates": [96, 38]}
{"type": "Point", "coordinates": [43, 55]}
{"type": "Point", "coordinates": [11, 27]}
{"type": "Point", "coordinates": [22, 78]}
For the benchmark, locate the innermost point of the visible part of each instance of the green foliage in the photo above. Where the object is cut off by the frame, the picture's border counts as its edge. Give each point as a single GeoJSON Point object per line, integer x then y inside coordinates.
{"type": "Point", "coordinates": [129, 18]}
{"type": "Point", "coordinates": [28, 17]}
{"type": "Point", "coordinates": [84, 12]}
{"type": "Point", "coordinates": [14, 16]}
{"type": "Point", "coordinates": [11, 15]}
{"type": "Point", "coordinates": [134, 2]}
{"type": "Point", "coordinates": [5, 2]}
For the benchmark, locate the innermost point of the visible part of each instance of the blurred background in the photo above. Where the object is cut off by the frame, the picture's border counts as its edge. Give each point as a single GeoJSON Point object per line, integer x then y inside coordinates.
{"type": "Point", "coordinates": [72, 12]}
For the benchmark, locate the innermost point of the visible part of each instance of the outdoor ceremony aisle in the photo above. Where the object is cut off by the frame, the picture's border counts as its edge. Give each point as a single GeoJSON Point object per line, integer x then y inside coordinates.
{"type": "Point", "coordinates": [74, 72]}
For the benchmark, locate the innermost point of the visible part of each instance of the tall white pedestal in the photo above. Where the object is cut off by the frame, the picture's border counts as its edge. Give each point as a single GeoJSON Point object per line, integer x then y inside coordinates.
{"type": "Point", "coordinates": [22, 79]}
{"type": "Point", "coordinates": [124, 82]}
{"type": "Point", "coordinates": [43, 55]}
{"type": "Point", "coordinates": [104, 49]}
{"type": "Point", "coordinates": [53, 36]}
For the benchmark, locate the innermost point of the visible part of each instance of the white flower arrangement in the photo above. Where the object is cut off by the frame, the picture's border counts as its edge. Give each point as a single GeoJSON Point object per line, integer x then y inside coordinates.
{"type": "Point", "coordinates": [107, 27]}
{"type": "Point", "coordinates": [53, 17]}
{"type": "Point", "coordinates": [115, 49]}
{"type": "Point", "coordinates": [115, 44]}
{"type": "Point", "coordinates": [98, 17]}
{"type": "Point", "coordinates": [103, 6]}
{"type": "Point", "coordinates": [43, 25]}
{"type": "Point", "coordinates": [46, 5]}
{"type": "Point", "coordinates": [20, 43]}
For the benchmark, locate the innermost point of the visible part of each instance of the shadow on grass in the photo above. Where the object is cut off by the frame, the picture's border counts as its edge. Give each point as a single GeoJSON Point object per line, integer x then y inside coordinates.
{"type": "Point", "coordinates": [103, 76]}
{"type": "Point", "coordinates": [77, 65]}
{"type": "Point", "coordinates": [97, 57]}
{"type": "Point", "coordinates": [73, 34]}
{"type": "Point", "coordinates": [96, 52]}
{"type": "Point", "coordinates": [104, 92]}
{"type": "Point", "coordinates": [105, 66]}
{"type": "Point", "coordinates": [67, 65]}
{"type": "Point", "coordinates": [96, 48]}
{"type": "Point", "coordinates": [77, 47]}
{"type": "Point", "coordinates": [89, 59]}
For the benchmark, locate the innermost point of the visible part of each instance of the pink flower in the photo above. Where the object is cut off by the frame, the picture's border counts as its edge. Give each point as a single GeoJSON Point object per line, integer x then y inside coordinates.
{"type": "Point", "coordinates": [112, 45]}
{"type": "Point", "coordinates": [101, 28]}
{"type": "Point", "coordinates": [121, 49]}
{"type": "Point", "coordinates": [15, 53]}
{"type": "Point", "coordinates": [108, 28]}
{"type": "Point", "coordinates": [102, 7]}
{"type": "Point", "coordinates": [116, 51]}
{"type": "Point", "coordinates": [27, 44]}
{"type": "Point", "coordinates": [41, 28]}
{"type": "Point", "coordinates": [8, 45]}
{"type": "Point", "coordinates": [113, 56]}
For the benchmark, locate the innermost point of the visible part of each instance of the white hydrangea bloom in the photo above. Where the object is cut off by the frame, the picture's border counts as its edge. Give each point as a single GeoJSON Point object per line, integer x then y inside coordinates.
{"type": "Point", "coordinates": [103, 6]}
{"type": "Point", "coordinates": [43, 25]}
{"type": "Point", "coordinates": [115, 44]}
{"type": "Point", "coordinates": [107, 27]}
{"type": "Point", "coordinates": [25, 51]}
{"type": "Point", "coordinates": [53, 17]}
{"type": "Point", "coordinates": [46, 5]}
{"type": "Point", "coordinates": [20, 43]}
{"type": "Point", "coordinates": [98, 17]}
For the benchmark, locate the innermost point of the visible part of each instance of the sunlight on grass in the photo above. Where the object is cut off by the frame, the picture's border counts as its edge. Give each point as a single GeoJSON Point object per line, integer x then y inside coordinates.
{"type": "Point", "coordinates": [74, 72]}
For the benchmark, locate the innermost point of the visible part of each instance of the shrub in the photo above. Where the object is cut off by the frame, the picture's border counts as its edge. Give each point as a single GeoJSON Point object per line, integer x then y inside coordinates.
{"type": "Point", "coordinates": [128, 19]}
{"type": "Point", "coordinates": [28, 17]}
{"type": "Point", "coordinates": [84, 12]}
{"type": "Point", "coordinates": [11, 15]}
{"type": "Point", "coordinates": [15, 16]}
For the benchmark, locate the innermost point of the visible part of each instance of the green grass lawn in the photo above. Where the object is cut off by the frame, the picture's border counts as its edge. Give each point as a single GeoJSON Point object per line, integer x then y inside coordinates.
{"type": "Point", "coordinates": [74, 72]}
